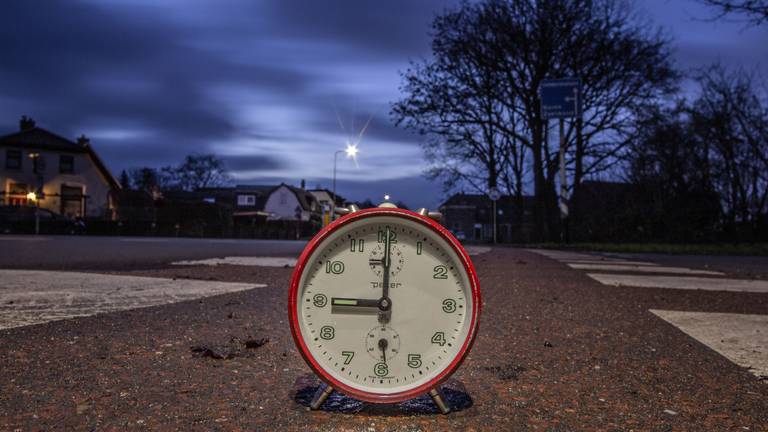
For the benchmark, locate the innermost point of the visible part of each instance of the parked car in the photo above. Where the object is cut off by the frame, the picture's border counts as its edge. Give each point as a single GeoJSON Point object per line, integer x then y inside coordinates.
{"type": "Point", "coordinates": [21, 220]}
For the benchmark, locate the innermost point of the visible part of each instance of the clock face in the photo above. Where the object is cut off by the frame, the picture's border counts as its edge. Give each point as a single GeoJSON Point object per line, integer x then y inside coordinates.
{"type": "Point", "coordinates": [378, 344]}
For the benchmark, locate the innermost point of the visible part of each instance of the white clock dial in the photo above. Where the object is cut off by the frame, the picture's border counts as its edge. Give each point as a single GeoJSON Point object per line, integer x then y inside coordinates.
{"type": "Point", "coordinates": [338, 305]}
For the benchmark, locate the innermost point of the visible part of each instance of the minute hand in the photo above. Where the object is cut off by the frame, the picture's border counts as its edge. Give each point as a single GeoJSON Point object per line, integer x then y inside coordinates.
{"type": "Point", "coordinates": [385, 264]}
{"type": "Point", "coordinates": [385, 304]}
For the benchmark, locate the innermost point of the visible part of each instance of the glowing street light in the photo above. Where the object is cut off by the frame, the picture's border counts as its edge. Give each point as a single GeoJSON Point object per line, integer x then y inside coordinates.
{"type": "Point", "coordinates": [351, 152]}
{"type": "Point", "coordinates": [32, 196]}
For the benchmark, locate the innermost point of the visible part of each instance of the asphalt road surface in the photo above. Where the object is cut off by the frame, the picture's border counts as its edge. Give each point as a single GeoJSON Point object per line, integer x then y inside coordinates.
{"type": "Point", "coordinates": [90, 252]}
{"type": "Point", "coordinates": [557, 350]}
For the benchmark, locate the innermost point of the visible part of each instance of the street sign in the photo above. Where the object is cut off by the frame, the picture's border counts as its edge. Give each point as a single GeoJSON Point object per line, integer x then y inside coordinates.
{"type": "Point", "coordinates": [494, 194]}
{"type": "Point", "coordinates": [560, 98]}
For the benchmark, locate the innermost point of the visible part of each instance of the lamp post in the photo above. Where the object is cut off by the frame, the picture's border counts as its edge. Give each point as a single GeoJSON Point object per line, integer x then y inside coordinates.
{"type": "Point", "coordinates": [33, 197]}
{"type": "Point", "coordinates": [351, 152]}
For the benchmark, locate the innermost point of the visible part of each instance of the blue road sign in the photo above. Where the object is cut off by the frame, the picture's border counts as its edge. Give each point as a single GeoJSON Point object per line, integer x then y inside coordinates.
{"type": "Point", "coordinates": [560, 98]}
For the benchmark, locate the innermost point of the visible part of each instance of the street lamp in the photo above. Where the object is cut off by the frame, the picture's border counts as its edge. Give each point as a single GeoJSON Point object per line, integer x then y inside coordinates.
{"type": "Point", "coordinates": [351, 152]}
{"type": "Point", "coordinates": [32, 196]}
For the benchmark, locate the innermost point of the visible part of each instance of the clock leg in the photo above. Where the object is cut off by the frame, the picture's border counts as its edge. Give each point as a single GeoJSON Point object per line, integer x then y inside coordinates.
{"type": "Point", "coordinates": [439, 400]}
{"type": "Point", "coordinates": [320, 396]}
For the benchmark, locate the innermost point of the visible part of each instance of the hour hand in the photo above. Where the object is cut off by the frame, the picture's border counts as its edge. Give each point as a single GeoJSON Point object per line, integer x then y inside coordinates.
{"type": "Point", "coordinates": [353, 305]}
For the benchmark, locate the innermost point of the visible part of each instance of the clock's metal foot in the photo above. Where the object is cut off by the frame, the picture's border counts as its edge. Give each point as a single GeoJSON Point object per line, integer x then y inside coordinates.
{"type": "Point", "coordinates": [320, 396]}
{"type": "Point", "coordinates": [439, 400]}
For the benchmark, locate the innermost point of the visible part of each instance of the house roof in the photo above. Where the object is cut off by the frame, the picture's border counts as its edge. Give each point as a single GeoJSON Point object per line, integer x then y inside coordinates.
{"type": "Point", "coordinates": [36, 138]}
{"type": "Point", "coordinates": [305, 198]}
{"type": "Point", "coordinates": [41, 139]}
{"type": "Point", "coordinates": [325, 195]}
{"type": "Point", "coordinates": [261, 193]}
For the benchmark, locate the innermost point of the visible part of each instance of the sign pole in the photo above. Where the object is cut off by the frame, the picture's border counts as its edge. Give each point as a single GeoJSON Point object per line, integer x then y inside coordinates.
{"type": "Point", "coordinates": [494, 221]}
{"type": "Point", "coordinates": [563, 205]}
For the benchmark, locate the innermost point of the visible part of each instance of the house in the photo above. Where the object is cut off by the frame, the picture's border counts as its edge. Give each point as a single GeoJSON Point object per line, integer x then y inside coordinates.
{"type": "Point", "coordinates": [38, 167]}
{"type": "Point", "coordinates": [470, 217]}
{"type": "Point", "coordinates": [325, 199]}
{"type": "Point", "coordinates": [291, 203]}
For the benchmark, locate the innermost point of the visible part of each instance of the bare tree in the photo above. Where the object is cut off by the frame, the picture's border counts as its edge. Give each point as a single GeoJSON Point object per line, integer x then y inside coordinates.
{"type": "Point", "coordinates": [755, 11]}
{"type": "Point", "coordinates": [477, 104]}
{"type": "Point", "coordinates": [732, 117]}
{"type": "Point", "coordinates": [196, 172]}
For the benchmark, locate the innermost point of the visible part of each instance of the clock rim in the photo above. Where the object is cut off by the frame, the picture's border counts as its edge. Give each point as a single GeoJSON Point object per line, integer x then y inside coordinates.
{"type": "Point", "coordinates": [370, 396]}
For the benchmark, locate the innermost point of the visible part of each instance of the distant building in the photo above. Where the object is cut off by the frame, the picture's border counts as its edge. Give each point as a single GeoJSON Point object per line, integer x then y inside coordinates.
{"type": "Point", "coordinates": [291, 203]}
{"type": "Point", "coordinates": [325, 200]}
{"type": "Point", "coordinates": [470, 217]}
{"type": "Point", "coordinates": [63, 176]}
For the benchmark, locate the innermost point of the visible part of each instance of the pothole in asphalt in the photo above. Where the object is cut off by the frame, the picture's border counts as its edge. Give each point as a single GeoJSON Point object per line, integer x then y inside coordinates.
{"type": "Point", "coordinates": [507, 372]}
{"type": "Point", "coordinates": [236, 347]}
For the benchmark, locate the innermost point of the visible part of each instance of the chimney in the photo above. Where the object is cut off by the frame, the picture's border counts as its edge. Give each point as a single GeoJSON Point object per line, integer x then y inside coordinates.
{"type": "Point", "coordinates": [83, 141]}
{"type": "Point", "coordinates": [303, 184]}
{"type": "Point", "coordinates": [26, 123]}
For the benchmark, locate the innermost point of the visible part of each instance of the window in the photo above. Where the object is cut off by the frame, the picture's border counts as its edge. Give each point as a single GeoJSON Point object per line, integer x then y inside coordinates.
{"type": "Point", "coordinates": [66, 164]}
{"type": "Point", "coordinates": [38, 163]}
{"type": "Point", "coordinates": [13, 159]}
{"type": "Point", "coordinates": [17, 194]}
{"type": "Point", "coordinates": [246, 200]}
{"type": "Point", "coordinates": [72, 199]}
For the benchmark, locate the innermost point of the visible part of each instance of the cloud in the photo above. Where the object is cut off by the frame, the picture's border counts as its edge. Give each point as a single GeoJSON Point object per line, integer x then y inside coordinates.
{"type": "Point", "coordinates": [259, 83]}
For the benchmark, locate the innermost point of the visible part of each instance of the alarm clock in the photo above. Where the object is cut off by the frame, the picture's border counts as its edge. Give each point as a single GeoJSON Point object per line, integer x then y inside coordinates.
{"type": "Point", "coordinates": [384, 305]}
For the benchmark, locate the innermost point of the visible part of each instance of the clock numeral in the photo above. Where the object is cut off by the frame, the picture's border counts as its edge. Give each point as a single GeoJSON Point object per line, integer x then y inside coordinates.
{"type": "Point", "coordinates": [381, 369]}
{"type": "Point", "coordinates": [383, 234]}
{"type": "Point", "coordinates": [438, 338]}
{"type": "Point", "coordinates": [449, 305]}
{"type": "Point", "coordinates": [328, 332]}
{"type": "Point", "coordinates": [348, 356]}
{"type": "Point", "coordinates": [419, 248]}
{"type": "Point", "coordinates": [414, 361]}
{"type": "Point", "coordinates": [356, 245]}
{"type": "Point", "coordinates": [335, 267]}
{"type": "Point", "coordinates": [441, 272]}
{"type": "Point", "coordinates": [319, 300]}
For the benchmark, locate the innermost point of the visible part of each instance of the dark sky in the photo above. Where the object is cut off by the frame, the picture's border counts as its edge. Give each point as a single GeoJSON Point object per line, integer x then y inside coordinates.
{"type": "Point", "coordinates": [273, 87]}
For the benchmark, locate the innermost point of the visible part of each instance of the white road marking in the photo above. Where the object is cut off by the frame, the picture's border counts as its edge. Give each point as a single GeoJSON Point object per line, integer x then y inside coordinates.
{"type": "Point", "coordinates": [644, 269]}
{"type": "Point", "coordinates": [741, 338]}
{"type": "Point", "coordinates": [33, 297]}
{"type": "Point", "coordinates": [258, 261]}
{"type": "Point", "coordinates": [610, 261]}
{"type": "Point", "coordinates": [682, 282]}
{"type": "Point", "coordinates": [563, 255]}
{"type": "Point", "coordinates": [24, 238]}
{"type": "Point", "coordinates": [477, 250]}
{"type": "Point", "coordinates": [145, 240]}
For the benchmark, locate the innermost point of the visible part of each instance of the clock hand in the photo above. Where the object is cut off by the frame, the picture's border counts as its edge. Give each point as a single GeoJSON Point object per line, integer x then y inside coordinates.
{"type": "Point", "coordinates": [385, 304]}
{"type": "Point", "coordinates": [352, 302]}
{"type": "Point", "coordinates": [383, 347]}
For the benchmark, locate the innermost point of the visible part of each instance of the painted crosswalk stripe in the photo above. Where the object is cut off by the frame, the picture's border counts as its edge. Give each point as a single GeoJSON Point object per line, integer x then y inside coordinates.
{"type": "Point", "coordinates": [741, 338]}
{"type": "Point", "coordinates": [681, 282]}
{"type": "Point", "coordinates": [251, 261]}
{"type": "Point", "coordinates": [620, 267]}
{"type": "Point", "coordinates": [33, 297]}
{"type": "Point", "coordinates": [611, 261]}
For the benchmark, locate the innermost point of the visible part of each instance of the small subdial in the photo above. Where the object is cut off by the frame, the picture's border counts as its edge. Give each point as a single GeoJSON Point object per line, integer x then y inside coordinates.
{"type": "Point", "coordinates": [382, 341]}
{"type": "Point", "coordinates": [395, 257]}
